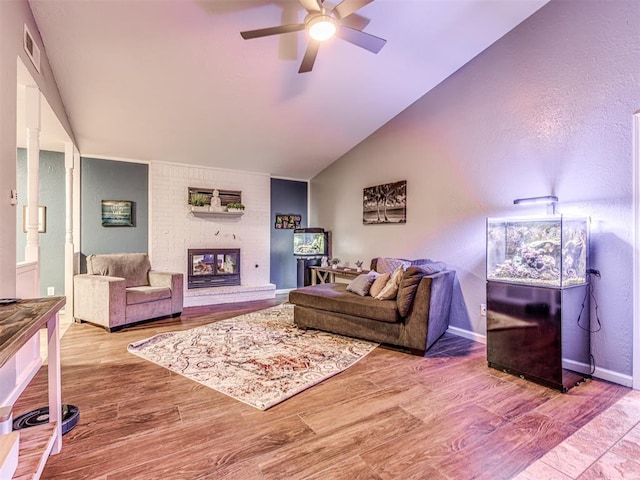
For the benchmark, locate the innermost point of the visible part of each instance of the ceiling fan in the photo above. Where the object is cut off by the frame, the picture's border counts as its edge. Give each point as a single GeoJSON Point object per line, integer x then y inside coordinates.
{"type": "Point", "coordinates": [322, 24]}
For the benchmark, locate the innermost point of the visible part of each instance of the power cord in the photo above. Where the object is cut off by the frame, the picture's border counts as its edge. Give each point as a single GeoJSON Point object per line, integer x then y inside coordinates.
{"type": "Point", "coordinates": [590, 293]}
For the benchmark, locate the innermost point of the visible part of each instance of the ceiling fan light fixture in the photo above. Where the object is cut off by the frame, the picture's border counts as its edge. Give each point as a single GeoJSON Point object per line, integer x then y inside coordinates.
{"type": "Point", "coordinates": [322, 27]}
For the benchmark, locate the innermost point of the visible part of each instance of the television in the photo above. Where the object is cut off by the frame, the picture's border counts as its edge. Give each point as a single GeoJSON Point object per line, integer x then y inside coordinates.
{"type": "Point", "coordinates": [310, 242]}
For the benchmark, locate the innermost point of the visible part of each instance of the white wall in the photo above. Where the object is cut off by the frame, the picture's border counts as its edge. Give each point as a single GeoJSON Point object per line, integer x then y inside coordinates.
{"type": "Point", "coordinates": [173, 229]}
{"type": "Point", "coordinates": [13, 15]}
{"type": "Point", "coordinates": [546, 109]}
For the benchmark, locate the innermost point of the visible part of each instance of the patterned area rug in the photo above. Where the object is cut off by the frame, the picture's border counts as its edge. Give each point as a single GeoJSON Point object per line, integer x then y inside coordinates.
{"type": "Point", "coordinates": [260, 358]}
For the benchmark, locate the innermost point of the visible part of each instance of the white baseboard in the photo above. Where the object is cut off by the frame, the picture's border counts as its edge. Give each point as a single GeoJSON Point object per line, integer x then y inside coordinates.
{"type": "Point", "coordinates": [461, 332]}
{"type": "Point", "coordinates": [614, 377]}
{"type": "Point", "coordinates": [576, 366]}
{"type": "Point", "coordinates": [601, 373]}
{"type": "Point", "coordinates": [282, 291]}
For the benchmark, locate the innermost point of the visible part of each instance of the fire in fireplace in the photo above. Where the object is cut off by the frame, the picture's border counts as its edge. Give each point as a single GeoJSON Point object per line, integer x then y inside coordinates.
{"type": "Point", "coordinates": [213, 267]}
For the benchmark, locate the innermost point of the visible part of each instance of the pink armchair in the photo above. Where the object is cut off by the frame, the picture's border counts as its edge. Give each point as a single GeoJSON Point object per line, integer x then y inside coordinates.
{"type": "Point", "coordinates": [121, 289]}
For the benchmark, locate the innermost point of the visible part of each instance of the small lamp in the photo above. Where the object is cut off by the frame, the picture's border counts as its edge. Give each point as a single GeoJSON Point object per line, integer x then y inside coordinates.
{"type": "Point", "coordinates": [549, 200]}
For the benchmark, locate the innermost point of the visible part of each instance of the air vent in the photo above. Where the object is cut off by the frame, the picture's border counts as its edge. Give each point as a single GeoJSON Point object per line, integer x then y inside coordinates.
{"type": "Point", "coordinates": [31, 48]}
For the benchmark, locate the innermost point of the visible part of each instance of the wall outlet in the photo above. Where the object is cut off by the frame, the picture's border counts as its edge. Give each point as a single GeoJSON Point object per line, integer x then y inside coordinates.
{"type": "Point", "coordinates": [483, 310]}
{"type": "Point", "coordinates": [51, 291]}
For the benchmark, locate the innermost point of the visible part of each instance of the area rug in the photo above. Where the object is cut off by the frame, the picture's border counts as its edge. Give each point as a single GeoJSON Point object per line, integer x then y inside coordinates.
{"type": "Point", "coordinates": [259, 358]}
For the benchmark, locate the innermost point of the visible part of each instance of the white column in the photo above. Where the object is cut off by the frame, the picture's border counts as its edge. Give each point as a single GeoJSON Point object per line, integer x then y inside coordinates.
{"type": "Point", "coordinates": [76, 211]}
{"type": "Point", "coordinates": [32, 115]}
{"type": "Point", "coordinates": [636, 251]}
{"type": "Point", "coordinates": [69, 270]}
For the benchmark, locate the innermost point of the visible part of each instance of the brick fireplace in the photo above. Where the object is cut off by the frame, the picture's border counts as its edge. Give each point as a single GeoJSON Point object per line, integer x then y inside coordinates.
{"type": "Point", "coordinates": [213, 267]}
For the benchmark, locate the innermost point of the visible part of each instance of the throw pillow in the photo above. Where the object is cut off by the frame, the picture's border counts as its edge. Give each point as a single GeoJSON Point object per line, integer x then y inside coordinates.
{"type": "Point", "coordinates": [390, 290]}
{"type": "Point", "coordinates": [408, 287]}
{"type": "Point", "coordinates": [389, 265]}
{"type": "Point", "coordinates": [378, 284]}
{"type": "Point", "coordinates": [361, 284]}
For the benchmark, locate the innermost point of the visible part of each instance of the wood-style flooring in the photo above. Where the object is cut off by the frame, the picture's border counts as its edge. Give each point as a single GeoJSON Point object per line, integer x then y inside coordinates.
{"type": "Point", "coordinates": [390, 416]}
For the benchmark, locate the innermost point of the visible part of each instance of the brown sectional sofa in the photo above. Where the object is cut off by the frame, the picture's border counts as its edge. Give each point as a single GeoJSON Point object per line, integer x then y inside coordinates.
{"type": "Point", "coordinates": [330, 307]}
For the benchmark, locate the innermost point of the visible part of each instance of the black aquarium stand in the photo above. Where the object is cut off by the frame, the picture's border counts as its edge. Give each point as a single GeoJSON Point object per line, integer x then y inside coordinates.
{"type": "Point", "coordinates": [539, 333]}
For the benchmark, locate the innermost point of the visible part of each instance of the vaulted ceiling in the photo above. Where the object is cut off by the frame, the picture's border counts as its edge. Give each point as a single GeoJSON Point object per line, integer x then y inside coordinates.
{"type": "Point", "coordinates": [173, 80]}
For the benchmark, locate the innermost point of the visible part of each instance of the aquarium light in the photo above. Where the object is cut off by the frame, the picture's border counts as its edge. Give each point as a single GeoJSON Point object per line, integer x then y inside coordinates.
{"type": "Point", "coordinates": [546, 200]}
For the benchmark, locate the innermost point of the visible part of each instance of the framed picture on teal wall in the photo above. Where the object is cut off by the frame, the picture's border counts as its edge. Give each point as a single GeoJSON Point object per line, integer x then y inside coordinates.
{"type": "Point", "coordinates": [117, 213]}
{"type": "Point", "coordinates": [42, 219]}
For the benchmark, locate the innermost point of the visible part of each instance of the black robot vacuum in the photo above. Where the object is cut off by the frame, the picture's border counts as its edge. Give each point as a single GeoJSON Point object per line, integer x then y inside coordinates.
{"type": "Point", "coordinates": [40, 416]}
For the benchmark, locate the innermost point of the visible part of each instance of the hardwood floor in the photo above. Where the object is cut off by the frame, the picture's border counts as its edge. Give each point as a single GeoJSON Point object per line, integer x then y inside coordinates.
{"type": "Point", "coordinates": [390, 416]}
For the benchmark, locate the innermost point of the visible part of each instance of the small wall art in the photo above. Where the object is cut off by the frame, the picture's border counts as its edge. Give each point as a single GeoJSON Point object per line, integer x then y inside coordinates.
{"type": "Point", "coordinates": [385, 203]}
{"type": "Point", "coordinates": [42, 219]}
{"type": "Point", "coordinates": [117, 213]}
{"type": "Point", "coordinates": [290, 221]}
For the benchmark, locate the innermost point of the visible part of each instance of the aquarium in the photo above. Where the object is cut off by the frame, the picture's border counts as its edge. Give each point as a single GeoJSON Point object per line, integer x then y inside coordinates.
{"type": "Point", "coordinates": [546, 251]}
{"type": "Point", "coordinates": [310, 242]}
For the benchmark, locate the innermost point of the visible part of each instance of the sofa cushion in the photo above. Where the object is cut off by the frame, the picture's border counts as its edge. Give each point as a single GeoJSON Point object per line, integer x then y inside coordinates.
{"type": "Point", "coordinates": [407, 289]}
{"type": "Point", "coordinates": [389, 265]}
{"type": "Point", "coordinates": [136, 295]}
{"type": "Point", "coordinates": [429, 266]}
{"type": "Point", "coordinates": [334, 297]}
{"type": "Point", "coordinates": [133, 267]}
{"type": "Point", "coordinates": [390, 290]}
{"type": "Point", "coordinates": [379, 283]}
{"type": "Point", "coordinates": [361, 284]}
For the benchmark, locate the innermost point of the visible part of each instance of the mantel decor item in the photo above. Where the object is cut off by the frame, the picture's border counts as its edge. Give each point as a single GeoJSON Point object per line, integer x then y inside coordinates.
{"type": "Point", "coordinates": [385, 203]}
{"type": "Point", "coordinates": [42, 219]}
{"type": "Point", "coordinates": [117, 213]}
{"type": "Point", "coordinates": [291, 221]}
{"type": "Point", "coordinates": [217, 198]}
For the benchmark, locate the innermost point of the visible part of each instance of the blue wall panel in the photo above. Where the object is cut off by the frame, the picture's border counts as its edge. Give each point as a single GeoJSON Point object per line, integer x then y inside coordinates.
{"type": "Point", "coordinates": [287, 197]}
{"type": "Point", "coordinates": [111, 180]}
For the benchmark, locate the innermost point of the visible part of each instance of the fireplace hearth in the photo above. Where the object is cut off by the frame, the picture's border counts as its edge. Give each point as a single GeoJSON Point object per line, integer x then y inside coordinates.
{"type": "Point", "coordinates": [213, 267]}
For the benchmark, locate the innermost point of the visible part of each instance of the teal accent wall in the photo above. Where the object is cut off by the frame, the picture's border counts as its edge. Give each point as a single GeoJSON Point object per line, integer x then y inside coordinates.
{"type": "Point", "coordinates": [287, 196]}
{"type": "Point", "coordinates": [52, 196]}
{"type": "Point", "coordinates": [112, 180]}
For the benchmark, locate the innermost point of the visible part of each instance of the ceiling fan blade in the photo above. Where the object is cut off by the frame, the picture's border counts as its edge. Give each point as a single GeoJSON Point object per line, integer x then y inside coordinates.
{"type": "Point", "coordinates": [347, 7]}
{"type": "Point", "coordinates": [361, 39]}
{"type": "Point", "coordinates": [309, 56]}
{"type": "Point", "coordinates": [265, 32]}
{"type": "Point", "coordinates": [311, 5]}
{"type": "Point", "coordinates": [355, 21]}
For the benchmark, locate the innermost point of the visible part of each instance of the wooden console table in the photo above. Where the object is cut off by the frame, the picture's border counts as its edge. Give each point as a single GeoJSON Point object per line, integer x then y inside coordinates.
{"type": "Point", "coordinates": [328, 274]}
{"type": "Point", "coordinates": [19, 322]}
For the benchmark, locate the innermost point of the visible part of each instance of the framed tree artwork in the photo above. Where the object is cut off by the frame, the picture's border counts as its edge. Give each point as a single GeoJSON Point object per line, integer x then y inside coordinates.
{"type": "Point", "coordinates": [385, 203]}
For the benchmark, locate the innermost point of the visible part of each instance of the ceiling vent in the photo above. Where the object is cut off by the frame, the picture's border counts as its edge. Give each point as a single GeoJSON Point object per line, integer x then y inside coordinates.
{"type": "Point", "coordinates": [31, 48]}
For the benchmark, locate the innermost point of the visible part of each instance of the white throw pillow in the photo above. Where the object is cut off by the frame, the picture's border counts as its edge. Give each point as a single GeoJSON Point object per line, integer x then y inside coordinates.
{"type": "Point", "coordinates": [390, 290]}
